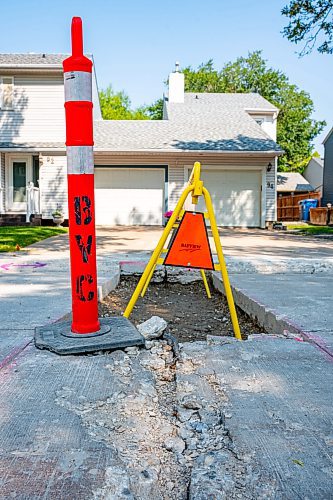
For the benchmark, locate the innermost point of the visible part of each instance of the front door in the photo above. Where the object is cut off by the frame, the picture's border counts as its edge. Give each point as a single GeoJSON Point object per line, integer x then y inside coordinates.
{"type": "Point", "coordinates": [19, 176]}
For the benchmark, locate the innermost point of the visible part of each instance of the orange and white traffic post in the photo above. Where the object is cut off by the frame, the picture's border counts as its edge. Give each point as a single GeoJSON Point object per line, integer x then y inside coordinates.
{"type": "Point", "coordinates": [80, 170]}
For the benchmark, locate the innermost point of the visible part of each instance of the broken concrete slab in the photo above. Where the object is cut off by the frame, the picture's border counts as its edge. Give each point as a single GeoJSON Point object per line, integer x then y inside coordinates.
{"type": "Point", "coordinates": [45, 450]}
{"type": "Point", "coordinates": [88, 427]}
{"type": "Point", "coordinates": [275, 397]}
{"type": "Point", "coordinates": [238, 420]}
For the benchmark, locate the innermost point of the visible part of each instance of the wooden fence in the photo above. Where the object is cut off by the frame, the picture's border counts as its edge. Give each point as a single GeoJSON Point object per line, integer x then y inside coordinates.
{"type": "Point", "coordinates": [288, 208]}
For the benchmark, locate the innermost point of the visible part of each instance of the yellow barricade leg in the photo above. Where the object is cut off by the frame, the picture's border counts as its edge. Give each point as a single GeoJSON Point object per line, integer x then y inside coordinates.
{"type": "Point", "coordinates": [224, 272]}
{"type": "Point", "coordinates": [143, 293]}
{"type": "Point", "coordinates": [158, 250]}
{"type": "Point", "coordinates": [203, 275]}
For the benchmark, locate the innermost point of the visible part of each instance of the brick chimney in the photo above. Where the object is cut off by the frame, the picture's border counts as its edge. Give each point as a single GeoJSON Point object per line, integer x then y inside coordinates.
{"type": "Point", "coordinates": [176, 85]}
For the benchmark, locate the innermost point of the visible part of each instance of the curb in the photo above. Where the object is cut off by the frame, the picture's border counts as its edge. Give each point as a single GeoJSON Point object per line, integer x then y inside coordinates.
{"type": "Point", "coordinates": [106, 285]}
{"type": "Point", "coordinates": [268, 318]}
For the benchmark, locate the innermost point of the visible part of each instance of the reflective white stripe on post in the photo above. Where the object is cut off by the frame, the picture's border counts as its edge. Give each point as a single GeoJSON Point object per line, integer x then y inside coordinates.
{"type": "Point", "coordinates": [77, 86]}
{"type": "Point", "coordinates": [80, 160]}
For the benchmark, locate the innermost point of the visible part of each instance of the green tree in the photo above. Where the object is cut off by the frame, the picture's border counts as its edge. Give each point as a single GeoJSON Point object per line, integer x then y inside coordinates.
{"type": "Point", "coordinates": [310, 20]}
{"type": "Point", "coordinates": [205, 79]}
{"type": "Point", "coordinates": [296, 130]}
{"type": "Point", "coordinates": [117, 106]}
{"type": "Point", "coordinates": [155, 110]}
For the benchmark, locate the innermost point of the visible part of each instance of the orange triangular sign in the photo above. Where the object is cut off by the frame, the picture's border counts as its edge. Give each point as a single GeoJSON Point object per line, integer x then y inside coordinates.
{"type": "Point", "coordinates": [190, 246]}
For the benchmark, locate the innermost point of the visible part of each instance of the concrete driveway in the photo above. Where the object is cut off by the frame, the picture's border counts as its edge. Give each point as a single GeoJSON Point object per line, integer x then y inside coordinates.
{"type": "Point", "coordinates": [236, 242]}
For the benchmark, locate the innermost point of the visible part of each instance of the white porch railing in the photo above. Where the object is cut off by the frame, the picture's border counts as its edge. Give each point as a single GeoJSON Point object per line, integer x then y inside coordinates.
{"type": "Point", "coordinates": [33, 200]}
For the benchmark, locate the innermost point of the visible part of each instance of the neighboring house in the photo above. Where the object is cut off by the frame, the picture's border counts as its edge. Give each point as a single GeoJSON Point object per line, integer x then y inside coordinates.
{"type": "Point", "coordinates": [141, 167]}
{"type": "Point", "coordinates": [313, 173]}
{"type": "Point", "coordinates": [292, 183]}
{"type": "Point", "coordinates": [328, 169]}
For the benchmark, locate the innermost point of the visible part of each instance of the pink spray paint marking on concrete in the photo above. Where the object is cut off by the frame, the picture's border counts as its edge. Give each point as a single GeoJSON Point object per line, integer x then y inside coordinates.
{"type": "Point", "coordinates": [34, 265]}
{"type": "Point", "coordinates": [14, 353]}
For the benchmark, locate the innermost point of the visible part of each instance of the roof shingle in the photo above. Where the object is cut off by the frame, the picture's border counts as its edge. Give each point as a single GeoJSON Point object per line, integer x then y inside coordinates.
{"type": "Point", "coordinates": [204, 122]}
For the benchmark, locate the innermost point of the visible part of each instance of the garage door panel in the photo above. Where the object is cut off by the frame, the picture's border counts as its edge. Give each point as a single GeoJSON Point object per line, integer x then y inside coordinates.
{"type": "Point", "coordinates": [236, 196]}
{"type": "Point", "coordinates": [129, 196]}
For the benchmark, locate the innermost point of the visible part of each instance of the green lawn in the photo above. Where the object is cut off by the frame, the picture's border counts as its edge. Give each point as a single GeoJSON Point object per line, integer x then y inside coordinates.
{"type": "Point", "coordinates": [10, 236]}
{"type": "Point", "coordinates": [308, 229]}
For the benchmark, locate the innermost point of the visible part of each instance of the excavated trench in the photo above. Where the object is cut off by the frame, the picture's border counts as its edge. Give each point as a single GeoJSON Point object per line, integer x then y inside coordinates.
{"type": "Point", "coordinates": [190, 315]}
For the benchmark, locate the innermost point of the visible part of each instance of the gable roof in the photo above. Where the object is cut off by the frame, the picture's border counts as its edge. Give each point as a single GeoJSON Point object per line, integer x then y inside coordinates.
{"type": "Point", "coordinates": [162, 135]}
{"type": "Point", "coordinates": [210, 123]}
{"type": "Point", "coordinates": [292, 182]}
{"type": "Point", "coordinates": [204, 122]}
{"type": "Point", "coordinates": [33, 60]}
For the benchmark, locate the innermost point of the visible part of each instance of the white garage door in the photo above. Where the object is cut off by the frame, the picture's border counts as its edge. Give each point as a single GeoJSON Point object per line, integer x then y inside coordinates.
{"type": "Point", "coordinates": [236, 196]}
{"type": "Point", "coordinates": [129, 196]}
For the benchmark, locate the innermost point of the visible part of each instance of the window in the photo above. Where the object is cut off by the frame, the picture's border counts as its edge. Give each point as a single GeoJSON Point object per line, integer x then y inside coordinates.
{"type": "Point", "coordinates": [7, 92]}
{"type": "Point", "coordinates": [260, 121]}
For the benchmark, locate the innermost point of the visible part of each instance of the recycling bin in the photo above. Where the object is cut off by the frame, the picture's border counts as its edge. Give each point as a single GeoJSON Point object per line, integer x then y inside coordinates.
{"type": "Point", "coordinates": [305, 206]}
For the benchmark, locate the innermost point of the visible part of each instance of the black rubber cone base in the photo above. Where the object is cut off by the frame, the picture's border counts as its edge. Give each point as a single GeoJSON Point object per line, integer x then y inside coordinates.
{"type": "Point", "coordinates": [116, 333]}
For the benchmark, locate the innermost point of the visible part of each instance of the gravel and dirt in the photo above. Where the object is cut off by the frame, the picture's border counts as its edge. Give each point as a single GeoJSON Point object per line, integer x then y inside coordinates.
{"type": "Point", "coordinates": [191, 316]}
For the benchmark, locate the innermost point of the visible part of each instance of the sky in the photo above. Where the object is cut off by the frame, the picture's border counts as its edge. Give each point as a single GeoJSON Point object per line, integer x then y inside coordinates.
{"type": "Point", "coordinates": [136, 43]}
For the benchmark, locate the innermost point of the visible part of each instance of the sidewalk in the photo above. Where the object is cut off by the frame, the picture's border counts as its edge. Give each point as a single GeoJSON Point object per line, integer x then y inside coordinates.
{"type": "Point", "coordinates": [35, 283]}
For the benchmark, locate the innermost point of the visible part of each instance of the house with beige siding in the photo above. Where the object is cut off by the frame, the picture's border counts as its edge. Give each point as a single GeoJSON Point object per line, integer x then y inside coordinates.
{"type": "Point", "coordinates": [141, 166]}
{"type": "Point", "coordinates": [314, 172]}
